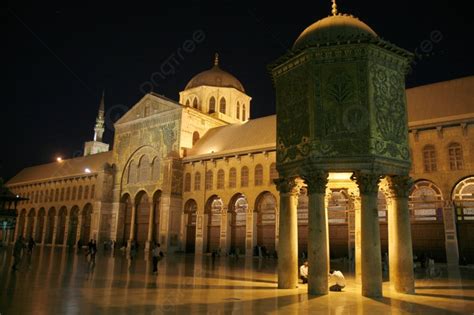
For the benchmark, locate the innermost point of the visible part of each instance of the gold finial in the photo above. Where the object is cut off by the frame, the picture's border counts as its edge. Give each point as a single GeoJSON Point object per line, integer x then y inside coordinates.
{"type": "Point", "coordinates": [216, 59]}
{"type": "Point", "coordinates": [334, 7]}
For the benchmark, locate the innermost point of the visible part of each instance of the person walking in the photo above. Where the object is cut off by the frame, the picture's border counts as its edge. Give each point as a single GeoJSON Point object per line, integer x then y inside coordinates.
{"type": "Point", "coordinates": [93, 249]}
{"type": "Point", "coordinates": [31, 245]}
{"type": "Point", "coordinates": [18, 252]}
{"type": "Point", "coordinates": [157, 255]}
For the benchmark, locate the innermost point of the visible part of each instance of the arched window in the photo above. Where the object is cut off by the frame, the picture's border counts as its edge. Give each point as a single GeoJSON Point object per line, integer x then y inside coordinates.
{"type": "Point", "coordinates": [187, 102]}
{"type": "Point", "coordinates": [195, 137]}
{"type": "Point", "coordinates": [212, 105]}
{"type": "Point", "coordinates": [62, 194]}
{"type": "Point", "coordinates": [209, 179]}
{"type": "Point", "coordinates": [86, 192]}
{"type": "Point", "coordinates": [74, 191]}
{"type": "Point", "coordinates": [92, 191]}
{"type": "Point", "coordinates": [258, 175]}
{"type": "Point", "coordinates": [455, 156]}
{"type": "Point", "coordinates": [243, 112]}
{"type": "Point", "coordinates": [132, 173]}
{"type": "Point", "coordinates": [51, 195]}
{"type": "Point", "coordinates": [232, 178]}
{"type": "Point", "coordinates": [196, 103]}
{"type": "Point", "coordinates": [156, 169]}
{"type": "Point", "coordinates": [222, 106]}
{"type": "Point", "coordinates": [79, 193]}
{"type": "Point", "coordinates": [237, 111]}
{"type": "Point", "coordinates": [68, 193]}
{"type": "Point", "coordinates": [273, 172]}
{"type": "Point", "coordinates": [197, 181]}
{"type": "Point", "coordinates": [429, 158]}
{"type": "Point", "coordinates": [244, 177]}
{"type": "Point", "coordinates": [187, 182]}
{"type": "Point", "coordinates": [144, 169]}
{"type": "Point", "coordinates": [56, 194]}
{"type": "Point", "coordinates": [220, 179]}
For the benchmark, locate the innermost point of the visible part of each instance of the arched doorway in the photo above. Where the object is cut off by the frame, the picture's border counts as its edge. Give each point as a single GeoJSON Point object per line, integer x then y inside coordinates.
{"type": "Point", "coordinates": [238, 210]}
{"type": "Point", "coordinates": [156, 216]}
{"type": "Point", "coordinates": [31, 223]}
{"type": "Point", "coordinates": [50, 226]}
{"type": "Point", "coordinates": [72, 229]}
{"type": "Point", "coordinates": [266, 221]}
{"type": "Point", "coordinates": [86, 223]}
{"type": "Point", "coordinates": [427, 227]}
{"type": "Point", "coordinates": [21, 222]}
{"type": "Point", "coordinates": [124, 220]}
{"type": "Point", "coordinates": [337, 208]}
{"type": "Point", "coordinates": [463, 199]}
{"type": "Point", "coordinates": [190, 210]}
{"type": "Point", "coordinates": [142, 202]}
{"type": "Point", "coordinates": [40, 226]}
{"type": "Point", "coordinates": [61, 226]}
{"type": "Point", "coordinates": [302, 213]}
{"type": "Point", "coordinates": [214, 207]}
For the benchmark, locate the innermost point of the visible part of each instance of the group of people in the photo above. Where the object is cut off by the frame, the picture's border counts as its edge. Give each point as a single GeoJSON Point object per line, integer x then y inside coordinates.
{"type": "Point", "coordinates": [20, 244]}
{"type": "Point", "coordinates": [336, 278]}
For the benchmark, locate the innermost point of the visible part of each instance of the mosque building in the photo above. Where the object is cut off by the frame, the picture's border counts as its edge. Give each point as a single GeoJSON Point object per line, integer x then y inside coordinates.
{"type": "Point", "coordinates": [197, 174]}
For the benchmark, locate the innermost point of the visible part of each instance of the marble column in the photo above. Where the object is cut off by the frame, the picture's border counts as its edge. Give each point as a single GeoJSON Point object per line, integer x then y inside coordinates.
{"type": "Point", "coordinates": [318, 237]}
{"type": "Point", "coordinates": [35, 226]}
{"type": "Point", "coordinates": [79, 228]}
{"type": "Point", "coordinates": [66, 229]}
{"type": "Point", "coordinates": [401, 252]}
{"type": "Point", "coordinates": [55, 230]}
{"type": "Point", "coordinates": [288, 226]}
{"type": "Point", "coordinates": [371, 260]}
{"type": "Point", "coordinates": [132, 225]}
{"type": "Point", "coordinates": [45, 227]}
{"type": "Point", "coordinates": [149, 241]}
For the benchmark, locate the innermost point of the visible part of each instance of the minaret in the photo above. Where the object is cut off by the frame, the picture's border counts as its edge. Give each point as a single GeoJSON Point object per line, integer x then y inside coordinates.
{"type": "Point", "coordinates": [99, 121]}
{"type": "Point", "coordinates": [97, 146]}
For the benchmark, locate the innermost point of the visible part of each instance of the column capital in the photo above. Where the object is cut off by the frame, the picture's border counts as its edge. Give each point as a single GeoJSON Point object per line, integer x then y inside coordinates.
{"type": "Point", "coordinates": [288, 185]}
{"type": "Point", "coordinates": [367, 182]}
{"type": "Point", "coordinates": [400, 185]}
{"type": "Point", "coordinates": [317, 181]}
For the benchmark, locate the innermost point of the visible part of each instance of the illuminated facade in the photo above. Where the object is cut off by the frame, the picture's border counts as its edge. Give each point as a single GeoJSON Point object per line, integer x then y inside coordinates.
{"type": "Point", "coordinates": [197, 176]}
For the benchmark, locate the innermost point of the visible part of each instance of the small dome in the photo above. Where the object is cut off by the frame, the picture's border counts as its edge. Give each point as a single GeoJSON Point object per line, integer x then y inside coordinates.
{"type": "Point", "coordinates": [340, 27]}
{"type": "Point", "coordinates": [215, 77]}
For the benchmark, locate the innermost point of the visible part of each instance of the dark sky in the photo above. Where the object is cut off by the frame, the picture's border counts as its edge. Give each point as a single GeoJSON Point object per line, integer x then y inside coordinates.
{"type": "Point", "coordinates": [59, 57]}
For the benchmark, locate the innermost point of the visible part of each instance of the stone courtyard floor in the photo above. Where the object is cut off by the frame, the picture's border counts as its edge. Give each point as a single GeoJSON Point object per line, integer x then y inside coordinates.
{"type": "Point", "coordinates": [60, 281]}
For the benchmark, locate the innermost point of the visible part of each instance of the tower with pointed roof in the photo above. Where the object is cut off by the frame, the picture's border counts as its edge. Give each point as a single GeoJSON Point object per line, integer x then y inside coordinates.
{"type": "Point", "coordinates": [96, 145]}
{"type": "Point", "coordinates": [217, 93]}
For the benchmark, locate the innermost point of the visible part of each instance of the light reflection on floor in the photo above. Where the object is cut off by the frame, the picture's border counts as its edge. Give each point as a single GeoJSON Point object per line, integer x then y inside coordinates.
{"type": "Point", "coordinates": [62, 282]}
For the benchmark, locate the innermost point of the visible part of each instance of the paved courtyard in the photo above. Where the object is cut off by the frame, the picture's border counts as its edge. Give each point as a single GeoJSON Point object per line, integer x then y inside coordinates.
{"type": "Point", "coordinates": [61, 281]}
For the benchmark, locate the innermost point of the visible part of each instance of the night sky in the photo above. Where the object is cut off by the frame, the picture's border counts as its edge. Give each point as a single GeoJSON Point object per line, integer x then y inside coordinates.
{"type": "Point", "coordinates": [59, 57]}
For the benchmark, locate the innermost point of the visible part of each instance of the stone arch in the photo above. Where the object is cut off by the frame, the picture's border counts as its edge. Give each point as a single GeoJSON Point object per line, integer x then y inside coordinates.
{"type": "Point", "coordinates": [266, 208]}
{"type": "Point", "coordinates": [61, 225]}
{"type": "Point", "coordinates": [237, 110]}
{"type": "Point", "coordinates": [238, 207]}
{"type": "Point", "coordinates": [187, 102]}
{"type": "Point", "coordinates": [426, 204]}
{"type": "Point", "coordinates": [213, 210]}
{"type": "Point", "coordinates": [155, 168]}
{"type": "Point", "coordinates": [462, 196]}
{"type": "Point", "coordinates": [40, 225]}
{"type": "Point", "coordinates": [86, 229]}
{"type": "Point", "coordinates": [124, 220]}
{"type": "Point", "coordinates": [196, 103]}
{"type": "Point", "coordinates": [190, 211]}
{"type": "Point", "coordinates": [142, 215]}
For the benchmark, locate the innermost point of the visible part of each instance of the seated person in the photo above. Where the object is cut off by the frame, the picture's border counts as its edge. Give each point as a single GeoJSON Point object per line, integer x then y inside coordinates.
{"type": "Point", "coordinates": [304, 272]}
{"type": "Point", "coordinates": [336, 278]}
